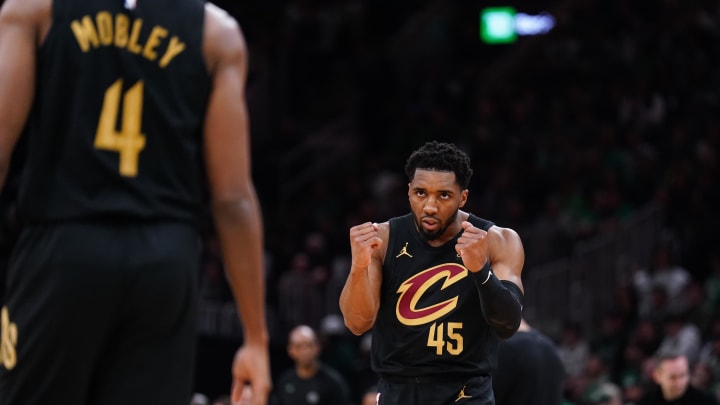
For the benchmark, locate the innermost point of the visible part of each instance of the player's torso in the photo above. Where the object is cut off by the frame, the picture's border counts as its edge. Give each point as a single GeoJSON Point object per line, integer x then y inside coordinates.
{"type": "Point", "coordinates": [116, 125]}
{"type": "Point", "coordinates": [430, 318]}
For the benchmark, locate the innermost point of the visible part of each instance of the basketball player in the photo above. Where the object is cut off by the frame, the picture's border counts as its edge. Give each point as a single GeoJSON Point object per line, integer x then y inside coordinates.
{"type": "Point", "coordinates": [529, 370]}
{"type": "Point", "coordinates": [439, 287]}
{"type": "Point", "coordinates": [130, 105]}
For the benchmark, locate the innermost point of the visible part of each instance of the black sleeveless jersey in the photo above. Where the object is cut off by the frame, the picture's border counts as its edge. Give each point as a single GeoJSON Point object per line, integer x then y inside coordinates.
{"type": "Point", "coordinates": [430, 320]}
{"type": "Point", "coordinates": [116, 127]}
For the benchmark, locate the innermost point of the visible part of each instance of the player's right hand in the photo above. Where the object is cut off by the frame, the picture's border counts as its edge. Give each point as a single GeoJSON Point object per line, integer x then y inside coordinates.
{"type": "Point", "coordinates": [363, 240]}
{"type": "Point", "coordinates": [251, 366]}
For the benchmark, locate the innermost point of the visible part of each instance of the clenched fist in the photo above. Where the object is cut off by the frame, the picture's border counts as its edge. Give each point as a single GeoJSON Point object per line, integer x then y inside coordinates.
{"type": "Point", "coordinates": [472, 247]}
{"type": "Point", "coordinates": [363, 240]}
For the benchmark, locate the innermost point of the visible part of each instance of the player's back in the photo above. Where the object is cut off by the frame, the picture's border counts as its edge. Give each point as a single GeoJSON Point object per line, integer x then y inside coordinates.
{"type": "Point", "coordinates": [116, 126]}
{"type": "Point", "coordinates": [529, 371]}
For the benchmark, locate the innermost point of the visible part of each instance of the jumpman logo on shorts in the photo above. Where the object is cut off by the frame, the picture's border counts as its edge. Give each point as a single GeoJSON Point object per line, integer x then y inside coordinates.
{"type": "Point", "coordinates": [462, 395]}
{"type": "Point", "coordinates": [404, 251]}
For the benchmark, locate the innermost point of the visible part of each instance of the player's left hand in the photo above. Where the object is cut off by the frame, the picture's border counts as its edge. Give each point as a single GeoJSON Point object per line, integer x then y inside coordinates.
{"type": "Point", "coordinates": [251, 366]}
{"type": "Point", "coordinates": [472, 247]}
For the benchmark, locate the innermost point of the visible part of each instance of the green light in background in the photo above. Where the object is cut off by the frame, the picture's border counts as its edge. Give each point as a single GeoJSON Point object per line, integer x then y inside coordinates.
{"type": "Point", "coordinates": [497, 25]}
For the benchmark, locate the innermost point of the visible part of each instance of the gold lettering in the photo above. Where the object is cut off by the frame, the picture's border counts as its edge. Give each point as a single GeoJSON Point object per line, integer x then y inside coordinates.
{"type": "Point", "coordinates": [174, 48]}
{"type": "Point", "coordinates": [104, 27]}
{"type": "Point", "coordinates": [153, 41]}
{"type": "Point", "coordinates": [122, 25]}
{"type": "Point", "coordinates": [8, 340]}
{"type": "Point", "coordinates": [121, 31]}
{"type": "Point", "coordinates": [85, 33]}
{"type": "Point", "coordinates": [133, 45]}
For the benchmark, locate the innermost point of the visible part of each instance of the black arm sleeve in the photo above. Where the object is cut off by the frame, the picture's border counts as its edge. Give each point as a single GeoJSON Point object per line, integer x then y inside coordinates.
{"type": "Point", "coordinates": [501, 302]}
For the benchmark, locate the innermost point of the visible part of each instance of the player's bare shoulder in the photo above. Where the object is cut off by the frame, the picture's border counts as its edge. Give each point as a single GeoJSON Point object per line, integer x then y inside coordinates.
{"type": "Point", "coordinates": [223, 39]}
{"type": "Point", "coordinates": [506, 245]}
{"type": "Point", "coordinates": [31, 13]}
{"type": "Point", "coordinates": [504, 235]}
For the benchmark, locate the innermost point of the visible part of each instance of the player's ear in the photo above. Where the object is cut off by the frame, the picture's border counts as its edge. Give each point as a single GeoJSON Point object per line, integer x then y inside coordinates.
{"type": "Point", "coordinates": [463, 197]}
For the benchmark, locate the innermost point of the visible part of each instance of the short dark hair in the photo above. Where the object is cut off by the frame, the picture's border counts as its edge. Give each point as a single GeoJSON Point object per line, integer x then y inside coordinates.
{"type": "Point", "coordinates": [441, 156]}
{"type": "Point", "coordinates": [664, 355]}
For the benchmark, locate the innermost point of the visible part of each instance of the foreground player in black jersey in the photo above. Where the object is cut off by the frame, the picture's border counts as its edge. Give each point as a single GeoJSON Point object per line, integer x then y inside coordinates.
{"type": "Point", "coordinates": [439, 287]}
{"type": "Point", "coordinates": [134, 110]}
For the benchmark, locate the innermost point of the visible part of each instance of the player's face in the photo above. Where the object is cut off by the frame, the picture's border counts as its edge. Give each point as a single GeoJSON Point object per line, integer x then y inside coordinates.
{"type": "Point", "coordinates": [673, 376]}
{"type": "Point", "coordinates": [435, 199]}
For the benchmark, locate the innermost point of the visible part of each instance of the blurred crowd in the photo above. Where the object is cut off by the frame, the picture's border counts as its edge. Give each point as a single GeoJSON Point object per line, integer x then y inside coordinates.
{"type": "Point", "coordinates": [615, 109]}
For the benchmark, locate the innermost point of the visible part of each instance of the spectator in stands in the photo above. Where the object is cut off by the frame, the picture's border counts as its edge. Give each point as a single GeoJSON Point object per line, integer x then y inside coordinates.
{"type": "Point", "coordinates": [681, 337]}
{"type": "Point", "coordinates": [672, 376]}
{"type": "Point", "coordinates": [299, 299]}
{"type": "Point", "coordinates": [574, 351]}
{"type": "Point", "coordinates": [309, 381]}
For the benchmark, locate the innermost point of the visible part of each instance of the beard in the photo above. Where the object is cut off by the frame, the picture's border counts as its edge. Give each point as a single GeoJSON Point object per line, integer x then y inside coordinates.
{"type": "Point", "coordinates": [432, 235]}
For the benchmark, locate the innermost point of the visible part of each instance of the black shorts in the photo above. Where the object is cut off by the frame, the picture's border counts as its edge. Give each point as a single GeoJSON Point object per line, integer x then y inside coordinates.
{"type": "Point", "coordinates": [421, 391]}
{"type": "Point", "coordinates": [100, 314]}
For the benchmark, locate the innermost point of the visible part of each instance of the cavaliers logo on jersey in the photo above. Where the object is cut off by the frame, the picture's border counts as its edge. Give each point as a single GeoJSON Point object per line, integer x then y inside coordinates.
{"type": "Point", "coordinates": [407, 310]}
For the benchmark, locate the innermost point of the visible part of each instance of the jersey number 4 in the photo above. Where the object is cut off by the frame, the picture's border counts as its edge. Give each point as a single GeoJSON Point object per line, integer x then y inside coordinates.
{"type": "Point", "coordinates": [129, 140]}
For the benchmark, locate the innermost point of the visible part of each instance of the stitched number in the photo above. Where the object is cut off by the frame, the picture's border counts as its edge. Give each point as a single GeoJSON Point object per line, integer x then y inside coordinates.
{"type": "Point", "coordinates": [457, 348]}
{"type": "Point", "coordinates": [436, 338]}
{"type": "Point", "coordinates": [129, 141]}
